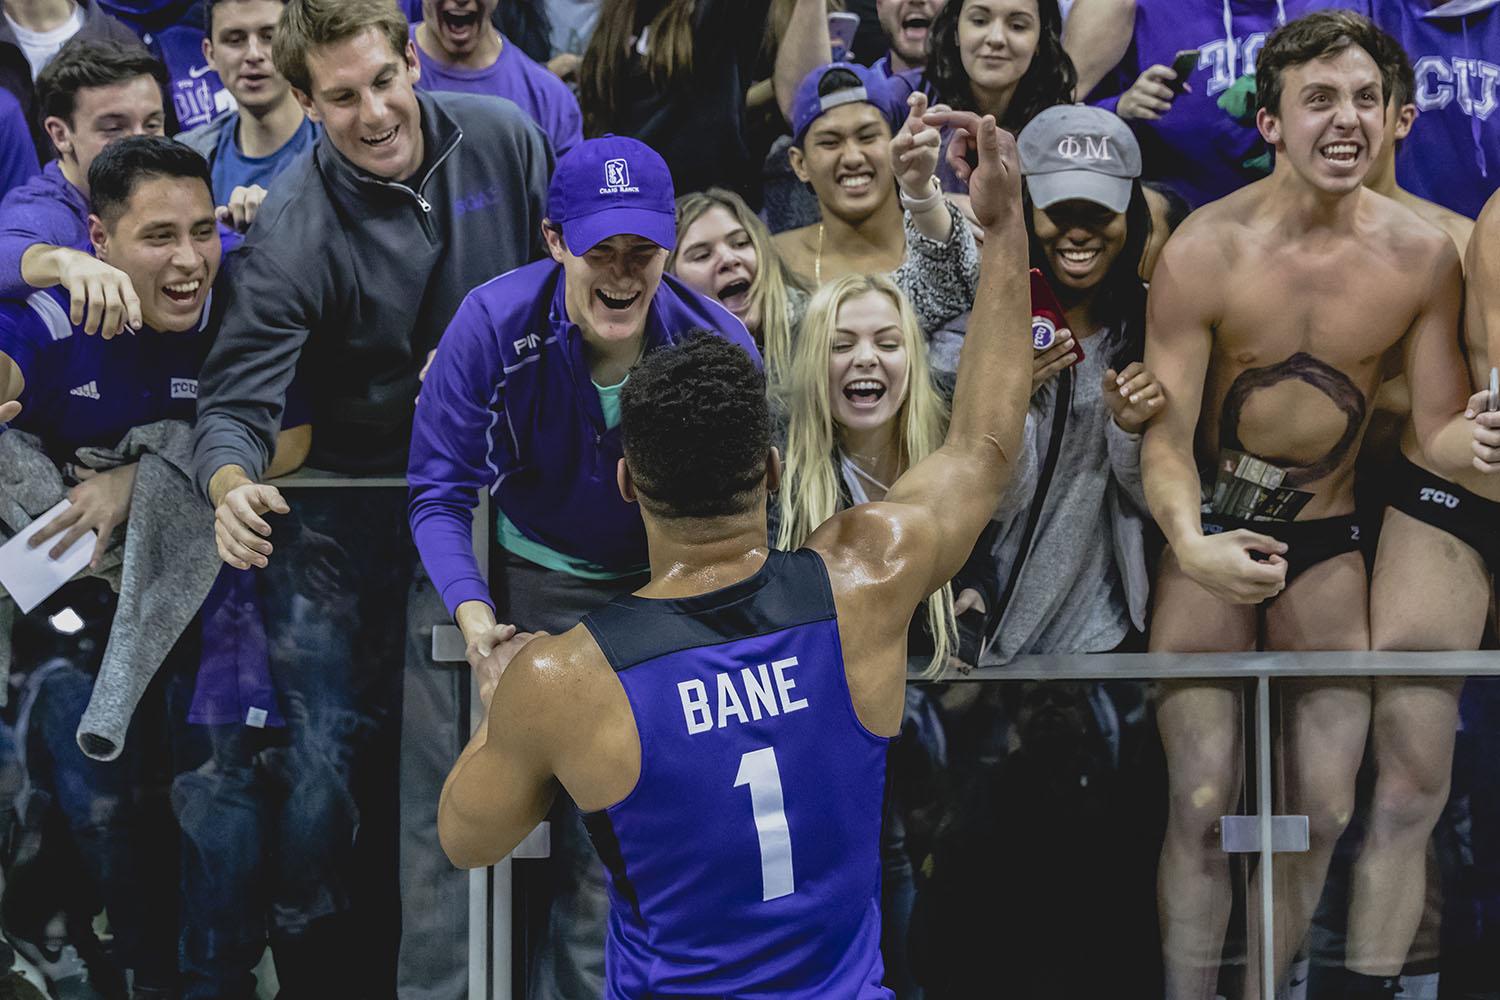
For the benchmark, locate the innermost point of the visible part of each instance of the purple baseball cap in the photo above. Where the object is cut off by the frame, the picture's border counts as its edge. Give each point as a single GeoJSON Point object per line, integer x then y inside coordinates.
{"type": "Point", "coordinates": [611, 185]}
{"type": "Point", "coordinates": [810, 102]}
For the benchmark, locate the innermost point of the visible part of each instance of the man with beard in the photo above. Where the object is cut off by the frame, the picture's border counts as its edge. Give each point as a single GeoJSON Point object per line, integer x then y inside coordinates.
{"type": "Point", "coordinates": [460, 50]}
{"type": "Point", "coordinates": [1270, 314]}
{"type": "Point", "coordinates": [906, 24]}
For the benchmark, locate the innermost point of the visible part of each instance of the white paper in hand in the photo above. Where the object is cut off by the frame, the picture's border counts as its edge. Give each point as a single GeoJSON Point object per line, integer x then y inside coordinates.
{"type": "Point", "coordinates": [30, 575]}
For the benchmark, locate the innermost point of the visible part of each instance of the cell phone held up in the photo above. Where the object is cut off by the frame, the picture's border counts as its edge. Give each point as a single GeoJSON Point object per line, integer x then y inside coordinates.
{"type": "Point", "coordinates": [1183, 64]}
{"type": "Point", "coordinates": [1047, 317]}
{"type": "Point", "coordinates": [842, 26]}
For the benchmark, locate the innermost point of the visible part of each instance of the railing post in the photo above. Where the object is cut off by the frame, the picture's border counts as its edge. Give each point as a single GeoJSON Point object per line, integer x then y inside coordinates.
{"type": "Point", "coordinates": [1267, 844]}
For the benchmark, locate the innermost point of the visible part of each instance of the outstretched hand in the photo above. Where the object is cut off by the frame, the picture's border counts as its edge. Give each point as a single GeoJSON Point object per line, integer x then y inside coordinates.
{"type": "Point", "coordinates": [915, 148]}
{"type": "Point", "coordinates": [994, 176]}
{"type": "Point", "coordinates": [240, 531]}
{"type": "Point", "coordinates": [9, 411]}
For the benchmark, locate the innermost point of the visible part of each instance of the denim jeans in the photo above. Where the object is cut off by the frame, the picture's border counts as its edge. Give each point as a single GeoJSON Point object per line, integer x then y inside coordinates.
{"type": "Point", "coordinates": [113, 818]}
{"type": "Point", "coordinates": [289, 835]}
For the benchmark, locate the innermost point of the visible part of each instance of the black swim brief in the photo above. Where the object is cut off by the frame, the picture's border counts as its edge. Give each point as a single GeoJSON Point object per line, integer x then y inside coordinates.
{"type": "Point", "coordinates": [1433, 500]}
{"type": "Point", "coordinates": [1307, 542]}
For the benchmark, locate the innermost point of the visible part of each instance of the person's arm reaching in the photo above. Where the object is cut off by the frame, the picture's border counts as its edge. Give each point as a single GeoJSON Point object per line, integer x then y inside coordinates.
{"type": "Point", "coordinates": [1180, 319]}
{"type": "Point", "coordinates": [1096, 38]}
{"type": "Point", "coordinates": [804, 47]}
{"type": "Point", "coordinates": [914, 158]}
{"type": "Point", "coordinates": [101, 298]}
{"type": "Point", "coordinates": [934, 512]}
{"type": "Point", "coordinates": [241, 394]}
{"type": "Point", "coordinates": [456, 418]}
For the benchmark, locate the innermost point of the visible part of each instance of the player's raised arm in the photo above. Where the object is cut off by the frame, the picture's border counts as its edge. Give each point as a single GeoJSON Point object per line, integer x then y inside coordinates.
{"type": "Point", "coordinates": [941, 504]}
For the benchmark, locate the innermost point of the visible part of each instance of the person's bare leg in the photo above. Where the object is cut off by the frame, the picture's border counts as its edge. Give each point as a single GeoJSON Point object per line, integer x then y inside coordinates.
{"type": "Point", "coordinates": [1200, 731]}
{"type": "Point", "coordinates": [1430, 592]}
{"type": "Point", "coordinates": [1322, 739]}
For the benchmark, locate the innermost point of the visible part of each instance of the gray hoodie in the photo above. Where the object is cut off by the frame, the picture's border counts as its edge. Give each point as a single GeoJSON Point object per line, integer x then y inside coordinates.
{"type": "Point", "coordinates": [1083, 581]}
{"type": "Point", "coordinates": [348, 281]}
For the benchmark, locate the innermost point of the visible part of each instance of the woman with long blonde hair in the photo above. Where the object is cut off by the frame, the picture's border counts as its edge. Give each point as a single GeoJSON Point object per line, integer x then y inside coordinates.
{"type": "Point", "coordinates": [862, 409]}
{"type": "Point", "coordinates": [725, 251]}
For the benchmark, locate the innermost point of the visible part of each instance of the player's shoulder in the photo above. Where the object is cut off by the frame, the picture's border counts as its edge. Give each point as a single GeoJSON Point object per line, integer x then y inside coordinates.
{"type": "Point", "coordinates": [870, 544]}
{"type": "Point", "coordinates": [559, 672]}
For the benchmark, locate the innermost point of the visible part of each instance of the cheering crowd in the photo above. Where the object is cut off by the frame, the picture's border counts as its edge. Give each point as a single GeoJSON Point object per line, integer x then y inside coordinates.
{"type": "Point", "coordinates": [430, 242]}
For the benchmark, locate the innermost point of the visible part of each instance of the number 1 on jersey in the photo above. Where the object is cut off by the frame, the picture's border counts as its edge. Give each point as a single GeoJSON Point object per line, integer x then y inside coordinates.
{"type": "Point", "coordinates": [758, 770]}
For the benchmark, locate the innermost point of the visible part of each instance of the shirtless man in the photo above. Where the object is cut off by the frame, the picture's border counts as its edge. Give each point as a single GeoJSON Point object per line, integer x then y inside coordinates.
{"type": "Point", "coordinates": [1393, 404]}
{"type": "Point", "coordinates": [1432, 589]}
{"type": "Point", "coordinates": [1269, 316]}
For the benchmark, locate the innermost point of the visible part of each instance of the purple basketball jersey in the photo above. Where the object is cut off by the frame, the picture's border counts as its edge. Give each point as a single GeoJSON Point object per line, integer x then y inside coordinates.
{"type": "Point", "coordinates": [746, 861]}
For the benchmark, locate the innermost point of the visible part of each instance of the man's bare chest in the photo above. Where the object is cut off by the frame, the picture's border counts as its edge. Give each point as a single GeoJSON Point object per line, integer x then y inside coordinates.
{"type": "Point", "coordinates": [1347, 311]}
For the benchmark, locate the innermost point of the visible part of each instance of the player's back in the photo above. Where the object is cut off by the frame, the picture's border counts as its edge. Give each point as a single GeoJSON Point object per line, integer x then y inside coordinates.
{"type": "Point", "coordinates": [745, 862]}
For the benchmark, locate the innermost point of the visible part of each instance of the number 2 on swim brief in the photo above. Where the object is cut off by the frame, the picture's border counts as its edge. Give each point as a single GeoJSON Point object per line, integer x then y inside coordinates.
{"type": "Point", "coordinates": [758, 770]}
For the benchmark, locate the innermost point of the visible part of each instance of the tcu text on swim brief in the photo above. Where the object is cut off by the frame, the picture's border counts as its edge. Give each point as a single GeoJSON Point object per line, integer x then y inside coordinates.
{"type": "Point", "coordinates": [765, 689]}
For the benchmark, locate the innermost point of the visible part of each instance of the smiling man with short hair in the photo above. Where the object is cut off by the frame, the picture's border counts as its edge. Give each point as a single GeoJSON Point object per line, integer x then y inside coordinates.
{"type": "Point", "coordinates": [90, 94]}
{"type": "Point", "coordinates": [356, 262]}
{"type": "Point", "coordinates": [523, 401]}
{"type": "Point", "coordinates": [248, 147]}
{"type": "Point", "coordinates": [461, 50]}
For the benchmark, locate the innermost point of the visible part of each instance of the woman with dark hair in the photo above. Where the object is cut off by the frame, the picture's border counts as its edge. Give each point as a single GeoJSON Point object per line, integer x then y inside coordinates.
{"type": "Point", "coordinates": [998, 57]}
{"type": "Point", "coordinates": [675, 74]}
{"type": "Point", "coordinates": [1069, 556]}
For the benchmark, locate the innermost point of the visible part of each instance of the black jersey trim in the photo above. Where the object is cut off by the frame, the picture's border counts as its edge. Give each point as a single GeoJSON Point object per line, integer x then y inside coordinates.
{"type": "Point", "coordinates": [789, 590]}
{"type": "Point", "coordinates": [601, 830]}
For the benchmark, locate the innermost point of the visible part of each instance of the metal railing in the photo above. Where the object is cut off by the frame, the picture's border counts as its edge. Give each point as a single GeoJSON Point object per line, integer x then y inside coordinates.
{"type": "Point", "coordinates": [1268, 833]}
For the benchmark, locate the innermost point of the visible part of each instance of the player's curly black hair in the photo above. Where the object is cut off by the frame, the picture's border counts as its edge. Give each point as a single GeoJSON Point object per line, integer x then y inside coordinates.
{"type": "Point", "coordinates": [696, 428]}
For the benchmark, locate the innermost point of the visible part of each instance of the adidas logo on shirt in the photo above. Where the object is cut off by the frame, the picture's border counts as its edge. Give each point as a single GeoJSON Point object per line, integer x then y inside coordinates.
{"type": "Point", "coordinates": [89, 390]}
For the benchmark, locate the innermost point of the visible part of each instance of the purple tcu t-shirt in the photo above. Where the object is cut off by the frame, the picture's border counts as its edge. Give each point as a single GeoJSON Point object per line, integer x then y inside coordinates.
{"type": "Point", "coordinates": [516, 77]}
{"type": "Point", "coordinates": [1452, 156]}
{"type": "Point", "coordinates": [1207, 145]}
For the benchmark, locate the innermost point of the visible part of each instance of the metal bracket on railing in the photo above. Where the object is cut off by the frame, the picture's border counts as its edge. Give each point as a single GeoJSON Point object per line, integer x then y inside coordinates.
{"type": "Point", "coordinates": [1241, 834]}
{"type": "Point", "coordinates": [448, 644]}
{"type": "Point", "coordinates": [538, 843]}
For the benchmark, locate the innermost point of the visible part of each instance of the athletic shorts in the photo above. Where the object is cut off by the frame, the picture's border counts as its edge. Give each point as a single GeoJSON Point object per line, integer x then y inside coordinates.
{"type": "Point", "coordinates": [1307, 542]}
{"type": "Point", "coordinates": [1433, 500]}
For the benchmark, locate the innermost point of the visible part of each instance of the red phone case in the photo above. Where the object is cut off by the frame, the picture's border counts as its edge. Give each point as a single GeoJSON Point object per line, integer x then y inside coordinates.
{"type": "Point", "coordinates": [1047, 317]}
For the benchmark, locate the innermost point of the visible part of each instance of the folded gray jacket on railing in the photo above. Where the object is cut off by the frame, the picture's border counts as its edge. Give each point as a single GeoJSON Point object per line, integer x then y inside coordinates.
{"type": "Point", "coordinates": [162, 568]}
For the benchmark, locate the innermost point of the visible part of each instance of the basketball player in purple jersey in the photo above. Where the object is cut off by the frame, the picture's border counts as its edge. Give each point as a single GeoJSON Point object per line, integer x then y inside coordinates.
{"type": "Point", "coordinates": [725, 727]}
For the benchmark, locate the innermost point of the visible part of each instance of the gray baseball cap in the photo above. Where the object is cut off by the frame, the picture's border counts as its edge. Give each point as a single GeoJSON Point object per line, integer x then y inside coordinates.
{"type": "Point", "coordinates": [1075, 151]}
